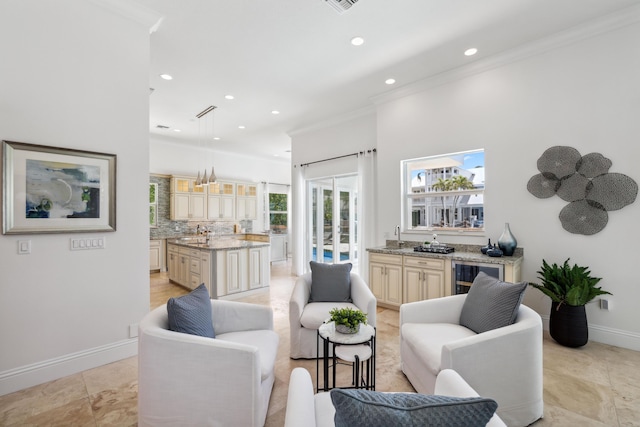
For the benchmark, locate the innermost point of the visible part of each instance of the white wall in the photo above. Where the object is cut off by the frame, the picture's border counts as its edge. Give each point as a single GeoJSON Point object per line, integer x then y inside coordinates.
{"type": "Point", "coordinates": [337, 139]}
{"type": "Point", "coordinates": [70, 79]}
{"type": "Point", "coordinates": [170, 156]}
{"type": "Point", "coordinates": [584, 95]}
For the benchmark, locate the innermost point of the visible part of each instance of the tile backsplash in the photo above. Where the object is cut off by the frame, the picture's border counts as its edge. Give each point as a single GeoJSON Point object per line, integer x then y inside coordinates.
{"type": "Point", "coordinates": [168, 229]}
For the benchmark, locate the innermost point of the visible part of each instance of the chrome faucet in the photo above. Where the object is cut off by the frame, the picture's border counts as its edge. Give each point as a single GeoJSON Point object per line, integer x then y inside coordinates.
{"type": "Point", "coordinates": [397, 233]}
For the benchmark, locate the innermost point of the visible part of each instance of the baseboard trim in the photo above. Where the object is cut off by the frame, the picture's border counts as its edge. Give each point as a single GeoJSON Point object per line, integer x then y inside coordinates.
{"type": "Point", "coordinates": [52, 369]}
{"type": "Point", "coordinates": [605, 335]}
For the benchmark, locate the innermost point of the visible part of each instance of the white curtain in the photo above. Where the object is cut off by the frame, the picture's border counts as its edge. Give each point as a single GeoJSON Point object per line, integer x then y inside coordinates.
{"type": "Point", "coordinates": [367, 218]}
{"type": "Point", "coordinates": [298, 202]}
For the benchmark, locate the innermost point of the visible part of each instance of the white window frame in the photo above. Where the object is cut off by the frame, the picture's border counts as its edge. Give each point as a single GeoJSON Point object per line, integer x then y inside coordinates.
{"type": "Point", "coordinates": [457, 221]}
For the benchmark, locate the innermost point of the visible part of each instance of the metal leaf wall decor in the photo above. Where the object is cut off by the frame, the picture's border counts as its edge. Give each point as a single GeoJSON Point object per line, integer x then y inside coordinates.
{"type": "Point", "coordinates": [586, 183]}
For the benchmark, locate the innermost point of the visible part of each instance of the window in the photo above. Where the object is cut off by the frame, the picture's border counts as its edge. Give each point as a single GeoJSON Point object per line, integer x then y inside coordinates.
{"type": "Point", "coordinates": [278, 213]}
{"type": "Point", "coordinates": [444, 192]}
{"type": "Point", "coordinates": [153, 205]}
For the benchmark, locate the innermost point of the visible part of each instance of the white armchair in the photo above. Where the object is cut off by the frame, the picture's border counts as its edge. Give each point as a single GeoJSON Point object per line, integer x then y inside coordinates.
{"type": "Point", "coordinates": [306, 409]}
{"type": "Point", "coordinates": [190, 380]}
{"type": "Point", "coordinates": [504, 364]}
{"type": "Point", "coordinates": [305, 318]}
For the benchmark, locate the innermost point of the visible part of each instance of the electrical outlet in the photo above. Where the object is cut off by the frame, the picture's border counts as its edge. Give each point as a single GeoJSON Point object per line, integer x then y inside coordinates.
{"type": "Point", "coordinates": [604, 304]}
{"type": "Point", "coordinates": [133, 330]}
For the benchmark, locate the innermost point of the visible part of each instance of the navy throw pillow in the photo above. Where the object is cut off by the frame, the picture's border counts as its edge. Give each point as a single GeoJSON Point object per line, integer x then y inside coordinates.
{"type": "Point", "coordinates": [191, 313]}
{"type": "Point", "coordinates": [366, 408]}
{"type": "Point", "coordinates": [330, 282]}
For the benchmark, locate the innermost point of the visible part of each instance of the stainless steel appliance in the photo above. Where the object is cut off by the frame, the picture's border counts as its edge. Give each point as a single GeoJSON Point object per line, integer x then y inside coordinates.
{"type": "Point", "coordinates": [465, 271]}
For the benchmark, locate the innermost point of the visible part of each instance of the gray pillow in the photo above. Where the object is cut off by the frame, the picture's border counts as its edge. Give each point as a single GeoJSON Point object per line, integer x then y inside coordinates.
{"type": "Point", "coordinates": [191, 313]}
{"type": "Point", "coordinates": [491, 304]}
{"type": "Point", "coordinates": [330, 282]}
{"type": "Point", "coordinates": [368, 408]}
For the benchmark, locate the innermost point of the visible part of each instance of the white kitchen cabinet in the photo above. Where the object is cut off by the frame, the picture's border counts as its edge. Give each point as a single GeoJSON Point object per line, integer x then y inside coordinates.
{"type": "Point", "coordinates": [187, 201]}
{"type": "Point", "coordinates": [157, 260]}
{"type": "Point", "coordinates": [278, 247]}
{"type": "Point", "coordinates": [231, 267]}
{"type": "Point", "coordinates": [424, 278]}
{"type": "Point", "coordinates": [246, 201]}
{"type": "Point", "coordinates": [222, 188]}
{"type": "Point", "coordinates": [247, 208]}
{"type": "Point", "coordinates": [179, 264]}
{"type": "Point", "coordinates": [220, 208]}
{"type": "Point", "coordinates": [184, 267]}
{"type": "Point", "coordinates": [258, 267]}
{"type": "Point", "coordinates": [385, 279]}
{"type": "Point", "coordinates": [205, 272]}
{"type": "Point", "coordinates": [194, 269]}
{"type": "Point", "coordinates": [174, 262]}
{"type": "Point", "coordinates": [246, 189]}
{"type": "Point", "coordinates": [180, 204]}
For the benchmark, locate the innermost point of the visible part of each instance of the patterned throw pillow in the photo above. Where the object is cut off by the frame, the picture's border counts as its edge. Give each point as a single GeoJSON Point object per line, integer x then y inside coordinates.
{"type": "Point", "coordinates": [491, 304]}
{"type": "Point", "coordinates": [330, 282]}
{"type": "Point", "coordinates": [368, 408]}
{"type": "Point", "coordinates": [191, 313]}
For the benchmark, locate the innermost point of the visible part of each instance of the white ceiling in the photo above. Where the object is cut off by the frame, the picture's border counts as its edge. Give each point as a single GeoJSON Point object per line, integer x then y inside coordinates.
{"type": "Point", "coordinates": [295, 56]}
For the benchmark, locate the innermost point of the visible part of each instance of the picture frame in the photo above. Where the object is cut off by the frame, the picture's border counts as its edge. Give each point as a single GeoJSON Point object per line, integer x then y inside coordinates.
{"type": "Point", "coordinates": [56, 190]}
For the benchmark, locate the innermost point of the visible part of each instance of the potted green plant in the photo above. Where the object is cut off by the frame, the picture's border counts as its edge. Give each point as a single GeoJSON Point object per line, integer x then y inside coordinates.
{"type": "Point", "coordinates": [570, 288]}
{"type": "Point", "coordinates": [347, 319]}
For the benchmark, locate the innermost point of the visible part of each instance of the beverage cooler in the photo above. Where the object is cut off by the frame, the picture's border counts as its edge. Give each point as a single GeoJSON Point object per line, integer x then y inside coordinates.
{"type": "Point", "coordinates": [465, 271]}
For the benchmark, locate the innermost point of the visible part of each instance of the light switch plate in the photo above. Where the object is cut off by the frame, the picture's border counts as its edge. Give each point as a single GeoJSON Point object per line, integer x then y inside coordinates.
{"type": "Point", "coordinates": [78, 244]}
{"type": "Point", "coordinates": [24, 247]}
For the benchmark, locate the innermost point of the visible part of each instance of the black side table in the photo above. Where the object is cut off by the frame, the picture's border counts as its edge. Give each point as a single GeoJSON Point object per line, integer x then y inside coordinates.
{"type": "Point", "coordinates": [330, 339]}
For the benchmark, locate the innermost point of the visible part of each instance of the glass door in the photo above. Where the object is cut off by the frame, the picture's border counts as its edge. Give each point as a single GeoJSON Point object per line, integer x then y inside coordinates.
{"type": "Point", "coordinates": [332, 220]}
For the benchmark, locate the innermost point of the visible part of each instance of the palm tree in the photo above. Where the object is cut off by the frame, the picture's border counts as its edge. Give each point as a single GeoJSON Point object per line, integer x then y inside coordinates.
{"type": "Point", "coordinates": [459, 182]}
{"type": "Point", "coordinates": [442, 185]}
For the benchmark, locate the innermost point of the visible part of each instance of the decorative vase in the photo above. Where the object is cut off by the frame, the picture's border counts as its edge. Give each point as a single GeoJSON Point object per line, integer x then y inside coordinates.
{"type": "Point", "coordinates": [484, 249]}
{"type": "Point", "coordinates": [507, 242]}
{"type": "Point", "coordinates": [568, 325]}
{"type": "Point", "coordinates": [344, 329]}
{"type": "Point", "coordinates": [494, 251]}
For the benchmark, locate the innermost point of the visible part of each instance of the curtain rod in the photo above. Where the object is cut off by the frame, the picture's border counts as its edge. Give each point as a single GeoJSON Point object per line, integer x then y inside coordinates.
{"type": "Point", "coordinates": [275, 183]}
{"type": "Point", "coordinates": [358, 153]}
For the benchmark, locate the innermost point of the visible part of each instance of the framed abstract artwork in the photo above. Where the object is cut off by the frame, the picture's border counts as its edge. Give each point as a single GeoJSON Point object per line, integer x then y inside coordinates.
{"type": "Point", "coordinates": [56, 190]}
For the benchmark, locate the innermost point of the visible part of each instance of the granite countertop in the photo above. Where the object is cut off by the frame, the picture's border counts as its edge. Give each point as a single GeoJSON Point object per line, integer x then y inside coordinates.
{"type": "Point", "coordinates": [465, 254]}
{"type": "Point", "coordinates": [216, 244]}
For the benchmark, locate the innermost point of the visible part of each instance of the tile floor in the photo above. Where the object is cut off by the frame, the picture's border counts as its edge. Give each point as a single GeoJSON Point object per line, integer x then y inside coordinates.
{"type": "Point", "coordinates": [597, 385]}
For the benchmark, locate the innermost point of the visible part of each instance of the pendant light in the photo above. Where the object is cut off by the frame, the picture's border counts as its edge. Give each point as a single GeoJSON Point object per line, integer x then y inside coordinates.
{"type": "Point", "coordinates": [204, 179]}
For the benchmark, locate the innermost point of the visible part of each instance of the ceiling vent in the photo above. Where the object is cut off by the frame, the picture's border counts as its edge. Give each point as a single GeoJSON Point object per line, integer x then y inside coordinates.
{"type": "Point", "coordinates": [341, 6]}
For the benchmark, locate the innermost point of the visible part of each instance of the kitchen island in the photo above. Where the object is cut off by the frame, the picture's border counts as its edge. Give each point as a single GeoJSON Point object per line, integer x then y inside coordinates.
{"type": "Point", "coordinates": [229, 266]}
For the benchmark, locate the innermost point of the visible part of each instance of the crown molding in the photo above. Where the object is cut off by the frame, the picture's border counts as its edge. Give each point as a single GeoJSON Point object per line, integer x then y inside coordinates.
{"type": "Point", "coordinates": [610, 22]}
{"type": "Point", "coordinates": [335, 120]}
{"type": "Point", "coordinates": [131, 10]}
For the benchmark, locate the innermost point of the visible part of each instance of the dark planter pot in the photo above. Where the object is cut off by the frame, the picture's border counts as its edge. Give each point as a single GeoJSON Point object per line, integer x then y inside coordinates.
{"type": "Point", "coordinates": [568, 325]}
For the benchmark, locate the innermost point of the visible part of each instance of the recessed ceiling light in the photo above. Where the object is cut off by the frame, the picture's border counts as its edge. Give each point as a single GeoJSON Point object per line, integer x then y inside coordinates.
{"type": "Point", "coordinates": [241, 127]}
{"type": "Point", "coordinates": [228, 97]}
{"type": "Point", "coordinates": [275, 112]}
{"type": "Point", "coordinates": [390, 81]}
{"type": "Point", "coordinates": [357, 41]}
{"type": "Point", "coordinates": [177, 130]}
{"type": "Point", "coordinates": [166, 76]}
{"type": "Point", "coordinates": [470, 52]}
{"type": "Point", "coordinates": [217, 138]}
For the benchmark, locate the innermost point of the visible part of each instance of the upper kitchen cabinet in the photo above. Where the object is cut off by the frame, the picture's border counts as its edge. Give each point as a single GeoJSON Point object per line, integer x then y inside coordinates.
{"type": "Point", "coordinates": [188, 202]}
{"type": "Point", "coordinates": [246, 201]}
{"type": "Point", "coordinates": [221, 201]}
{"type": "Point", "coordinates": [222, 188]}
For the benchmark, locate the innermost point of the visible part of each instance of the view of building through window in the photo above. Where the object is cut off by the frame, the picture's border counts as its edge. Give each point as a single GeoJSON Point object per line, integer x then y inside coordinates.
{"type": "Point", "coordinates": [444, 192]}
